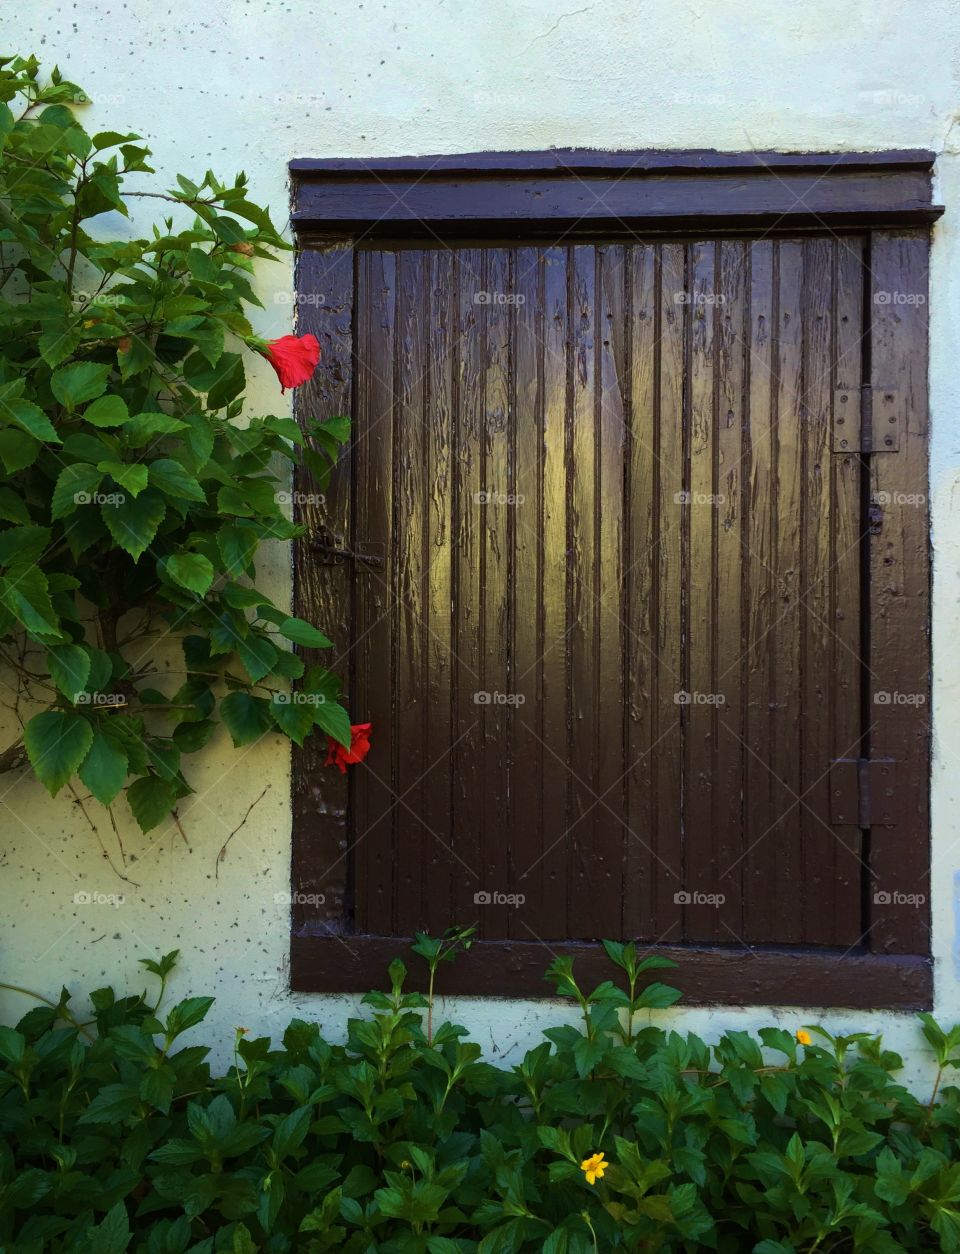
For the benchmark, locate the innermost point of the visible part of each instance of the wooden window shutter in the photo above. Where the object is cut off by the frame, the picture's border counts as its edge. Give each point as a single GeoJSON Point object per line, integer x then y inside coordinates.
{"type": "Point", "coordinates": [628, 552]}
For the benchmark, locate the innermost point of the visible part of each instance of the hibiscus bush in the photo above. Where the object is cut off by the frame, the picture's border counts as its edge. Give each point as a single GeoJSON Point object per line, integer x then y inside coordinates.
{"type": "Point", "coordinates": [133, 499]}
{"type": "Point", "coordinates": [610, 1135]}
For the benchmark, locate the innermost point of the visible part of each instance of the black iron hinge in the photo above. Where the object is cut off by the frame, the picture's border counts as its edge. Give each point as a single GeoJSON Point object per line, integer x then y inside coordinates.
{"type": "Point", "coordinates": [862, 792]}
{"type": "Point", "coordinates": [866, 420]}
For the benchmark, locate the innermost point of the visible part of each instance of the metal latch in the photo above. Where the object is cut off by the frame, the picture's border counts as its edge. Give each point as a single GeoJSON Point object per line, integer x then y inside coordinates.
{"type": "Point", "coordinates": [333, 550]}
{"type": "Point", "coordinates": [862, 792]}
{"type": "Point", "coordinates": [866, 420]}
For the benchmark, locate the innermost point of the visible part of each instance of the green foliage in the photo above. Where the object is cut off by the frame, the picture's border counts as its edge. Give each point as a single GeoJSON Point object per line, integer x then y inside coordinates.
{"type": "Point", "coordinates": [114, 1136]}
{"type": "Point", "coordinates": [132, 501]}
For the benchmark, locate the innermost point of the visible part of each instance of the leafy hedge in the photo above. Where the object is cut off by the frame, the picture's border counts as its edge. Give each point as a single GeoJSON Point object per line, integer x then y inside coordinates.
{"type": "Point", "coordinates": [115, 1136]}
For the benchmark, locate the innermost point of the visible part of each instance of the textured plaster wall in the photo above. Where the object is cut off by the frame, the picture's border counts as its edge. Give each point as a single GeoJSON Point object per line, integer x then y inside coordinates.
{"type": "Point", "coordinates": [249, 85]}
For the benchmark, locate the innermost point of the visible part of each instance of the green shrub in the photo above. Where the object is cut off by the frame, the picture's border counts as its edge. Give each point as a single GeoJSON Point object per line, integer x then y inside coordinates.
{"type": "Point", "coordinates": [116, 1137]}
{"type": "Point", "coordinates": [133, 503]}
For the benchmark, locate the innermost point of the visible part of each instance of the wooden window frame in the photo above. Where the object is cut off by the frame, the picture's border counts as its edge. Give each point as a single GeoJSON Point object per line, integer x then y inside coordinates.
{"type": "Point", "coordinates": [339, 203]}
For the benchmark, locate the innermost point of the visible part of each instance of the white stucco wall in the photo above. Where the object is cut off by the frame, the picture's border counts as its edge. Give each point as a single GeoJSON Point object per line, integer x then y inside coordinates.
{"type": "Point", "coordinates": [249, 85]}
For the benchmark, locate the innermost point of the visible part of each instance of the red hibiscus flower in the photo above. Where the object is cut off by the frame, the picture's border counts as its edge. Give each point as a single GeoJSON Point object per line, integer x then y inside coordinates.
{"type": "Point", "coordinates": [294, 357]}
{"type": "Point", "coordinates": [337, 755]}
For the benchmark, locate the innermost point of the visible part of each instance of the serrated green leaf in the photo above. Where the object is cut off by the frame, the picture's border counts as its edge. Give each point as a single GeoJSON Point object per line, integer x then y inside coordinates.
{"type": "Point", "coordinates": [191, 571]}
{"type": "Point", "coordinates": [79, 382]}
{"type": "Point", "coordinates": [134, 523]}
{"type": "Point", "coordinates": [104, 770]}
{"type": "Point", "coordinates": [108, 411]}
{"type": "Point", "coordinates": [151, 799]}
{"type": "Point", "coordinates": [69, 666]}
{"type": "Point", "coordinates": [246, 717]}
{"type": "Point", "coordinates": [57, 741]}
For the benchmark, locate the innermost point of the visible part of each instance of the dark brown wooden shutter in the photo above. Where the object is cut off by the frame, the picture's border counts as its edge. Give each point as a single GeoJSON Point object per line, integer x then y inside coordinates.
{"type": "Point", "coordinates": [665, 413]}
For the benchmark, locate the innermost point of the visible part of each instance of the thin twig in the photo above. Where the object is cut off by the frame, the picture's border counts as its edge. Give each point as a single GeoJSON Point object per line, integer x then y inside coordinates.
{"type": "Point", "coordinates": [223, 848]}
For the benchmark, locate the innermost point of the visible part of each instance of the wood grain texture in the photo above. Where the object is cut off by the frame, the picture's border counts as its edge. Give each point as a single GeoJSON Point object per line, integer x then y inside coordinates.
{"type": "Point", "coordinates": [323, 593]}
{"type": "Point", "coordinates": [899, 898]}
{"type": "Point", "coordinates": [619, 634]}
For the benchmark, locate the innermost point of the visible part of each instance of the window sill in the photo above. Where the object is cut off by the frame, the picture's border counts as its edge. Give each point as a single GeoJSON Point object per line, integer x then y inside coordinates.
{"type": "Point", "coordinates": [707, 977]}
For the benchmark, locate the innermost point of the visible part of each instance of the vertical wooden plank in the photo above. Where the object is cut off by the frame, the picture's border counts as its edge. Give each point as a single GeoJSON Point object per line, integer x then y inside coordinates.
{"type": "Point", "coordinates": [496, 520]}
{"type": "Point", "coordinates": [699, 717]}
{"type": "Point", "coordinates": [642, 522]}
{"type": "Point", "coordinates": [761, 601]}
{"type": "Point", "coordinates": [376, 611]}
{"type": "Point", "coordinates": [468, 482]}
{"type": "Point", "coordinates": [731, 347]}
{"type": "Point", "coordinates": [438, 418]}
{"type": "Point", "coordinates": [582, 591]}
{"type": "Point", "coordinates": [606, 898]}
{"type": "Point", "coordinates": [322, 593]}
{"type": "Point", "coordinates": [555, 367]}
{"type": "Point", "coordinates": [411, 841]}
{"type": "Point", "coordinates": [667, 745]}
{"type": "Point", "coordinates": [786, 746]}
{"type": "Point", "coordinates": [830, 669]}
{"type": "Point", "coordinates": [847, 604]}
{"type": "Point", "coordinates": [900, 593]}
{"type": "Point", "coordinates": [529, 841]}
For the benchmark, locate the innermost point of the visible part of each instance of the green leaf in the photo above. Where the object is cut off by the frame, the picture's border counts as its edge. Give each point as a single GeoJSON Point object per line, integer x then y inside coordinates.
{"type": "Point", "coordinates": [69, 668]}
{"type": "Point", "coordinates": [12, 508]}
{"type": "Point", "coordinates": [257, 655]}
{"type": "Point", "coordinates": [334, 720]}
{"type": "Point", "coordinates": [76, 485]}
{"type": "Point", "coordinates": [57, 741]}
{"type": "Point", "coordinates": [31, 419]}
{"type": "Point", "coordinates": [172, 479]}
{"type": "Point", "coordinates": [79, 382]}
{"type": "Point", "coordinates": [142, 428]}
{"type": "Point", "coordinates": [151, 799]}
{"type": "Point", "coordinates": [108, 411]}
{"type": "Point", "coordinates": [25, 594]}
{"type": "Point", "coordinates": [237, 546]}
{"type": "Point", "coordinates": [104, 769]}
{"type": "Point", "coordinates": [17, 450]}
{"type": "Point", "coordinates": [134, 523]}
{"type": "Point", "coordinates": [191, 571]}
{"type": "Point", "coordinates": [293, 713]}
{"type": "Point", "coordinates": [131, 476]}
{"type": "Point", "coordinates": [246, 717]}
{"type": "Point", "coordinates": [301, 632]}
{"type": "Point", "coordinates": [23, 546]}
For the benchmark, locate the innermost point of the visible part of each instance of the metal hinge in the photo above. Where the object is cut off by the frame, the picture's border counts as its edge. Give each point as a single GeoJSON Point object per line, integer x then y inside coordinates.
{"type": "Point", "coordinates": [866, 420]}
{"type": "Point", "coordinates": [862, 792]}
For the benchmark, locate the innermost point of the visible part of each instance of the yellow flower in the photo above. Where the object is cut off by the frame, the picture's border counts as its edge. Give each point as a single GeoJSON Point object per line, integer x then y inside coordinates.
{"type": "Point", "coordinates": [804, 1037]}
{"type": "Point", "coordinates": [594, 1167]}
